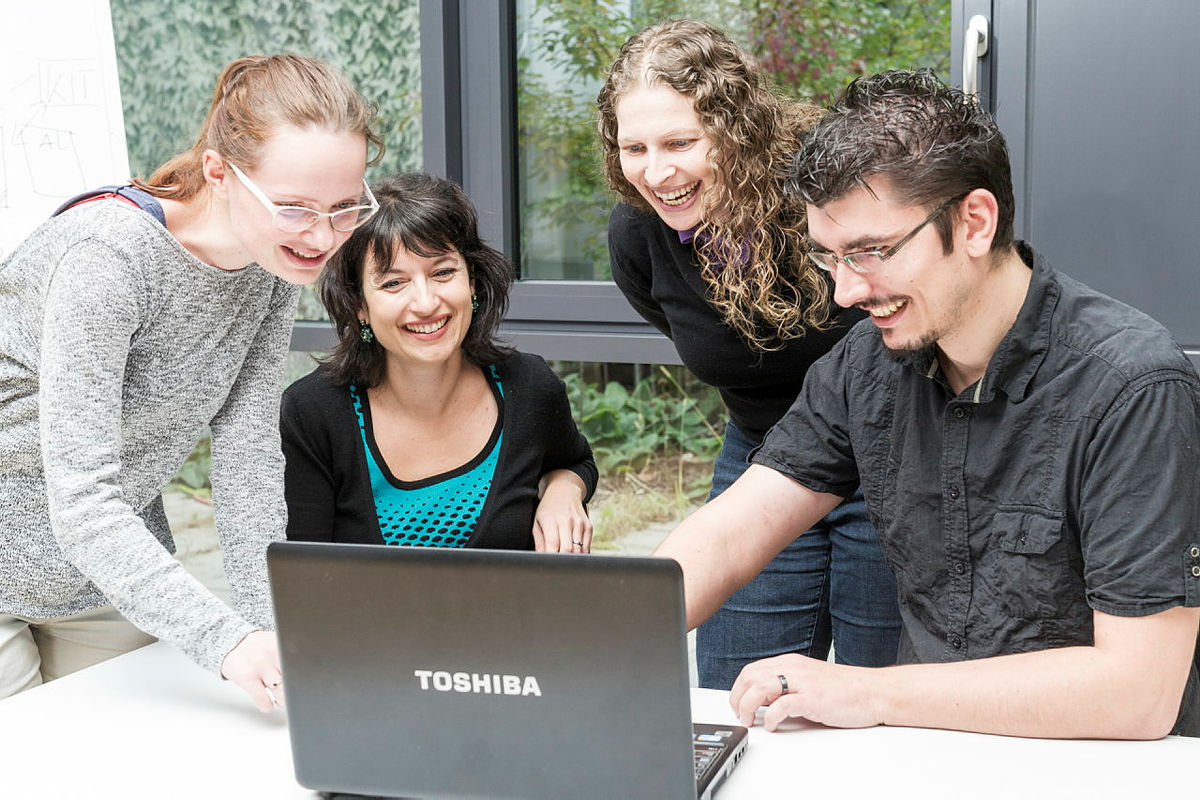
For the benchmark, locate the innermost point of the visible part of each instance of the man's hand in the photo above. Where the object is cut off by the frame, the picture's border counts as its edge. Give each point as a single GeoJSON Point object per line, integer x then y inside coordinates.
{"type": "Point", "coordinates": [1128, 685]}
{"type": "Point", "coordinates": [254, 666]}
{"type": "Point", "coordinates": [831, 694]}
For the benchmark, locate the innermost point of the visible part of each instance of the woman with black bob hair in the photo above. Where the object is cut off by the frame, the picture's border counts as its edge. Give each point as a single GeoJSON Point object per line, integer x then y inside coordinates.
{"type": "Point", "coordinates": [420, 428]}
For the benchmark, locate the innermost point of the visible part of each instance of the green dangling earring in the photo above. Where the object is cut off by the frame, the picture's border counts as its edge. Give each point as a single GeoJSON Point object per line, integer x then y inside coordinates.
{"type": "Point", "coordinates": [474, 303]}
{"type": "Point", "coordinates": [364, 332]}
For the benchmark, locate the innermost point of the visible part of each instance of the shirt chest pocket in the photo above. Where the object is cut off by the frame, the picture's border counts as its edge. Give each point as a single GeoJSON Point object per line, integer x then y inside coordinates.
{"type": "Point", "coordinates": [1031, 571]}
{"type": "Point", "coordinates": [1022, 533]}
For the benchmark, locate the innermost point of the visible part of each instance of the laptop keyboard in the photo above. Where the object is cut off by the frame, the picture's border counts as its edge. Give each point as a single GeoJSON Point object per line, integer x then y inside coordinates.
{"type": "Point", "coordinates": [708, 748]}
{"type": "Point", "coordinates": [705, 755]}
{"type": "Point", "coordinates": [715, 749]}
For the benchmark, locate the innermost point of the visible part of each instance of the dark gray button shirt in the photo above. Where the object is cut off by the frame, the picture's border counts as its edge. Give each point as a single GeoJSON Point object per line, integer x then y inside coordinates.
{"type": "Point", "coordinates": [1066, 480]}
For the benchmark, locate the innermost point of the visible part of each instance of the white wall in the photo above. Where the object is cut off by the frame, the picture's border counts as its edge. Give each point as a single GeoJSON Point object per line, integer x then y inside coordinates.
{"type": "Point", "coordinates": [61, 126]}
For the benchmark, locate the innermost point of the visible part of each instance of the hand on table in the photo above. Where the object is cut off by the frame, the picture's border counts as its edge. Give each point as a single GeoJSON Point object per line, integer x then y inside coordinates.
{"type": "Point", "coordinates": [831, 694]}
{"type": "Point", "coordinates": [560, 523]}
{"type": "Point", "coordinates": [254, 666]}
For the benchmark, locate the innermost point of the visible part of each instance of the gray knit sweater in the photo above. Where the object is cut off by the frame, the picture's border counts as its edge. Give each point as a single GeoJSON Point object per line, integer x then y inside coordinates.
{"type": "Point", "coordinates": [117, 349]}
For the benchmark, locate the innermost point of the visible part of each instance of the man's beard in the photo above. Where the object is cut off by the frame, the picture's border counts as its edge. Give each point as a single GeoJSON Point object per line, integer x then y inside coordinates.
{"type": "Point", "coordinates": [921, 352]}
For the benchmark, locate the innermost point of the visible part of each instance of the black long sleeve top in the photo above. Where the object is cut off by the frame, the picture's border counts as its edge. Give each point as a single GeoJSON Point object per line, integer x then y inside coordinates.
{"type": "Point", "coordinates": [328, 487]}
{"type": "Point", "coordinates": [660, 276]}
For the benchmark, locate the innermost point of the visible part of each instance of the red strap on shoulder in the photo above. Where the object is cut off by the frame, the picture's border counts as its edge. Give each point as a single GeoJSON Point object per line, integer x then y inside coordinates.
{"type": "Point", "coordinates": [105, 196]}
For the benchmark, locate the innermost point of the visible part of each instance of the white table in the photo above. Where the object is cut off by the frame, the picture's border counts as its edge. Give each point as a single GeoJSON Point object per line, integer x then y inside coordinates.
{"type": "Point", "coordinates": [152, 725]}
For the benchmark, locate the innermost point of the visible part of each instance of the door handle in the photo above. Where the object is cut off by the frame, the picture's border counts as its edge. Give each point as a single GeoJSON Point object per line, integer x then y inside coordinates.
{"type": "Point", "coordinates": [975, 46]}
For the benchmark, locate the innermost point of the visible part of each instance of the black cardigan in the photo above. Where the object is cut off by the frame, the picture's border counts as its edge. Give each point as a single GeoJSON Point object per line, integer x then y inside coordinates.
{"type": "Point", "coordinates": [328, 488]}
{"type": "Point", "coordinates": [660, 276]}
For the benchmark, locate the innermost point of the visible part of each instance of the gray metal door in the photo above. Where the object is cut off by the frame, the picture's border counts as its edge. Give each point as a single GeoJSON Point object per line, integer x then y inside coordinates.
{"type": "Point", "coordinates": [1099, 104]}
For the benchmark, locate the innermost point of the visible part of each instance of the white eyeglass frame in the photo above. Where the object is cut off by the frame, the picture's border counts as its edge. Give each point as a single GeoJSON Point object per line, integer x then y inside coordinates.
{"type": "Point", "coordinates": [311, 214]}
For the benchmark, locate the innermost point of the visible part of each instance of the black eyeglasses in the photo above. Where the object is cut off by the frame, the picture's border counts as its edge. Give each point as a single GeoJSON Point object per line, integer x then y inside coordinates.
{"type": "Point", "coordinates": [867, 261]}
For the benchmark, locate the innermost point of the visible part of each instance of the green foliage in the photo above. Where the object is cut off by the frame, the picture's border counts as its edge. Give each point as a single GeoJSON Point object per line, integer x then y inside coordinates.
{"type": "Point", "coordinates": [658, 416]}
{"type": "Point", "coordinates": [810, 49]}
{"type": "Point", "coordinates": [813, 48]}
{"type": "Point", "coordinates": [192, 477]}
{"type": "Point", "coordinates": [170, 54]}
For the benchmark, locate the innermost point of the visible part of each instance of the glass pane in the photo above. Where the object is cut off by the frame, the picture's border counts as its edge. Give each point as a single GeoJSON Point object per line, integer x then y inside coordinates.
{"type": "Point", "coordinates": [169, 56]}
{"type": "Point", "coordinates": [811, 48]}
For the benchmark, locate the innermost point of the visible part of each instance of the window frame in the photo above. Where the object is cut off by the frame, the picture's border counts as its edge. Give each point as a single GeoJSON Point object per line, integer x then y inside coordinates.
{"type": "Point", "coordinates": [469, 135]}
{"type": "Point", "coordinates": [465, 101]}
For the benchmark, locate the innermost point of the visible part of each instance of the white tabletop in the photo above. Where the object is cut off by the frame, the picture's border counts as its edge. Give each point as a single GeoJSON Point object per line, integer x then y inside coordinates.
{"type": "Point", "coordinates": [150, 724]}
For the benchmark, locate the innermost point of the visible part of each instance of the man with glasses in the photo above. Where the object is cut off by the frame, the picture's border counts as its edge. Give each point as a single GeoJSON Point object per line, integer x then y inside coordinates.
{"type": "Point", "coordinates": [1029, 450]}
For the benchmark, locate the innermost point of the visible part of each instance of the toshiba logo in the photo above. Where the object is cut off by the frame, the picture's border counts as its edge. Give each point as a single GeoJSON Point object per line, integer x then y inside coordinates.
{"type": "Point", "coordinates": [477, 683]}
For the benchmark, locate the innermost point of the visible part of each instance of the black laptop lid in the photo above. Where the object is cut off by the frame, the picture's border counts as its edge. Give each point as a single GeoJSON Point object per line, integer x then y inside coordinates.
{"type": "Point", "coordinates": [475, 673]}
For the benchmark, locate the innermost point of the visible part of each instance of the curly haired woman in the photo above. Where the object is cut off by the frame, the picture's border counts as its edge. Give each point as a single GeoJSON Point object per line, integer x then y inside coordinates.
{"type": "Point", "coordinates": [707, 248]}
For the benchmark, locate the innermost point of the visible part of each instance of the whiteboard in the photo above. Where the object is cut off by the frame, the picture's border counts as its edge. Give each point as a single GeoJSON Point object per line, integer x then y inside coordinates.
{"type": "Point", "coordinates": [61, 127]}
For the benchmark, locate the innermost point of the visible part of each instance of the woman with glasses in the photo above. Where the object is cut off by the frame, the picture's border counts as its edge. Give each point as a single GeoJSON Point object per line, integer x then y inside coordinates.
{"type": "Point", "coordinates": [128, 327]}
{"type": "Point", "coordinates": [420, 429]}
{"type": "Point", "coordinates": [707, 248]}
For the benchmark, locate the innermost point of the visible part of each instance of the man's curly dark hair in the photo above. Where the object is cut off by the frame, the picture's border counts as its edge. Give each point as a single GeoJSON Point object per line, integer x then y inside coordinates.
{"type": "Point", "coordinates": [930, 142]}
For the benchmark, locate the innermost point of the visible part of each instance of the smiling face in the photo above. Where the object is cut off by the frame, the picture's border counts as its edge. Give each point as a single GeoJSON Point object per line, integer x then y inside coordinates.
{"type": "Point", "coordinates": [921, 296]}
{"type": "Point", "coordinates": [420, 307]}
{"type": "Point", "coordinates": [310, 167]}
{"type": "Point", "coordinates": [664, 152]}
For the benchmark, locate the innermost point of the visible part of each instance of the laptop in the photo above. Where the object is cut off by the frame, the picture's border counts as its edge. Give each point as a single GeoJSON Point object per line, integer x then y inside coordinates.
{"type": "Point", "coordinates": [430, 672]}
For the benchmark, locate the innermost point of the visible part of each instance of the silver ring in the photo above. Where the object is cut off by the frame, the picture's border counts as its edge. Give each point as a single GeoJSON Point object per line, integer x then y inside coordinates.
{"type": "Point", "coordinates": [783, 682]}
{"type": "Point", "coordinates": [573, 541]}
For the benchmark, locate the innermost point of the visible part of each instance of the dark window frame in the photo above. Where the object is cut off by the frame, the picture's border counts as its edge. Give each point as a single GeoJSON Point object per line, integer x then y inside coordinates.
{"type": "Point", "coordinates": [469, 134]}
{"type": "Point", "coordinates": [469, 125]}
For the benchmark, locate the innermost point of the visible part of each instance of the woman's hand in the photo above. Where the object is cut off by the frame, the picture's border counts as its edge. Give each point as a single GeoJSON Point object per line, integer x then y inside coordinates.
{"type": "Point", "coordinates": [560, 523]}
{"type": "Point", "coordinates": [254, 666]}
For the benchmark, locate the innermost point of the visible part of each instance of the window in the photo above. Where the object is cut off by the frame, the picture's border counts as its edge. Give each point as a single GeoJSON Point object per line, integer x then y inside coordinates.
{"type": "Point", "coordinates": [520, 130]}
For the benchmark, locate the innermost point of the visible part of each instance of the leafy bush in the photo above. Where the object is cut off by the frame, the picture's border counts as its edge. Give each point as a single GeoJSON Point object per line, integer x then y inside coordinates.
{"type": "Point", "coordinates": [658, 416]}
{"type": "Point", "coordinates": [169, 56]}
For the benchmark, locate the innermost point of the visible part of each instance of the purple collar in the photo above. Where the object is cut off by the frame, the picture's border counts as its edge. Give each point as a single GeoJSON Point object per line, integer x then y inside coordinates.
{"type": "Point", "coordinates": [689, 237]}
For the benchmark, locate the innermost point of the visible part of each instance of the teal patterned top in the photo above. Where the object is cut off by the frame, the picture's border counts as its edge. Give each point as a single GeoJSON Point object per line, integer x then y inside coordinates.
{"type": "Point", "coordinates": [438, 511]}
